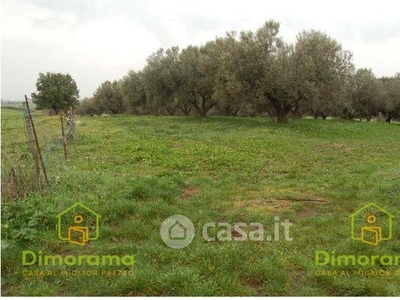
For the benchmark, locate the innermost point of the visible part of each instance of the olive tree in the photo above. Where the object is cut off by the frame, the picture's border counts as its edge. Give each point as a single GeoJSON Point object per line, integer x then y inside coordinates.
{"type": "Point", "coordinates": [282, 81]}
{"type": "Point", "coordinates": [237, 73]}
{"type": "Point", "coordinates": [108, 97]}
{"type": "Point", "coordinates": [161, 80]}
{"type": "Point", "coordinates": [326, 68]}
{"type": "Point", "coordinates": [263, 69]}
{"type": "Point", "coordinates": [133, 93]}
{"type": "Point", "coordinates": [390, 105]}
{"type": "Point", "coordinates": [198, 67]}
{"type": "Point", "coordinates": [365, 95]}
{"type": "Point", "coordinates": [88, 106]}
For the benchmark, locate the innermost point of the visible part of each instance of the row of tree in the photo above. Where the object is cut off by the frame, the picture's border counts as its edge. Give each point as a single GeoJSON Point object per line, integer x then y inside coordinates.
{"type": "Point", "coordinates": [251, 73]}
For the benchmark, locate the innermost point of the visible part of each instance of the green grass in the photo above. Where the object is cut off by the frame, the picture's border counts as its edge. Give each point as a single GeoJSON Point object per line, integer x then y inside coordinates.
{"type": "Point", "coordinates": [137, 171]}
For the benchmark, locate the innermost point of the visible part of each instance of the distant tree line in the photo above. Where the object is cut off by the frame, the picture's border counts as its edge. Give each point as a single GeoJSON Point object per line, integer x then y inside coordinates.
{"type": "Point", "coordinates": [251, 74]}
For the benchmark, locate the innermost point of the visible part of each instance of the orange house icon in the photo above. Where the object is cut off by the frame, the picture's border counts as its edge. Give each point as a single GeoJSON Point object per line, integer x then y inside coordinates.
{"type": "Point", "coordinates": [78, 224]}
{"type": "Point", "coordinates": [371, 224]}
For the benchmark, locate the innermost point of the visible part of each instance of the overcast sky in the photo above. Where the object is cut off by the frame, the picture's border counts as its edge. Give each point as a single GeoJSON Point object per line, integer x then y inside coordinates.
{"type": "Point", "coordinates": [99, 40]}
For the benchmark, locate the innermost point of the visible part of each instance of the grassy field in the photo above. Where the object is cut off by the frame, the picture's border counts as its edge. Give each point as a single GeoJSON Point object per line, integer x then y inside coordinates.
{"type": "Point", "coordinates": [136, 171]}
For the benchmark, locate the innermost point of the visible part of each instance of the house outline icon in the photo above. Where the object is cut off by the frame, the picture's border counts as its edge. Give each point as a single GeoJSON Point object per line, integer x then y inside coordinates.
{"type": "Point", "coordinates": [372, 229]}
{"type": "Point", "coordinates": [177, 231]}
{"type": "Point", "coordinates": [82, 230]}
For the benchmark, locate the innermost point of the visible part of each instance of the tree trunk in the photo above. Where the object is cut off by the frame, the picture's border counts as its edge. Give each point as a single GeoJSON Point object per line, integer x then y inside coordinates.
{"type": "Point", "coordinates": [198, 109]}
{"type": "Point", "coordinates": [227, 110]}
{"type": "Point", "coordinates": [204, 109]}
{"type": "Point", "coordinates": [171, 112]}
{"type": "Point", "coordinates": [282, 117]}
{"type": "Point", "coordinates": [231, 111]}
{"type": "Point", "coordinates": [253, 114]}
{"type": "Point", "coordinates": [185, 109]}
{"type": "Point", "coordinates": [281, 109]}
{"type": "Point", "coordinates": [314, 113]}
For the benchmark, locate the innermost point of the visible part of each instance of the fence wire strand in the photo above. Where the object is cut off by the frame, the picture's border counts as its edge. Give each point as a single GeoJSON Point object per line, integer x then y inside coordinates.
{"type": "Point", "coordinates": [19, 167]}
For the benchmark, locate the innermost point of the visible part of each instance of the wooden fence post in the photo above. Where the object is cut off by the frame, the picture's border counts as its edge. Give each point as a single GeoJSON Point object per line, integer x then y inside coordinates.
{"type": "Point", "coordinates": [64, 139]}
{"type": "Point", "coordinates": [71, 123]}
{"type": "Point", "coordinates": [29, 116]}
{"type": "Point", "coordinates": [31, 143]}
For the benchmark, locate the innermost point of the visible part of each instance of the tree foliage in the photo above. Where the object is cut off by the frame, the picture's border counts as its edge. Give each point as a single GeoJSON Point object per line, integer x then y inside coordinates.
{"type": "Point", "coordinates": [198, 67]}
{"type": "Point", "coordinates": [365, 94]}
{"type": "Point", "coordinates": [390, 106]}
{"type": "Point", "coordinates": [325, 68]}
{"type": "Point", "coordinates": [109, 97]}
{"type": "Point", "coordinates": [55, 91]}
{"type": "Point", "coordinates": [133, 93]}
{"type": "Point", "coordinates": [161, 82]}
{"type": "Point", "coordinates": [253, 73]}
{"type": "Point", "coordinates": [88, 106]}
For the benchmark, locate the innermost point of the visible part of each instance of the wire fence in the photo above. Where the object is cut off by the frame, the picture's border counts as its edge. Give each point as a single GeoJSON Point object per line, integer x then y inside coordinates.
{"type": "Point", "coordinates": [34, 147]}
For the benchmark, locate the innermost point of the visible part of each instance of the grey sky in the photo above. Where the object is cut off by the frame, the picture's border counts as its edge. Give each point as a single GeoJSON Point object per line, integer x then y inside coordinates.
{"type": "Point", "coordinates": [98, 40]}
